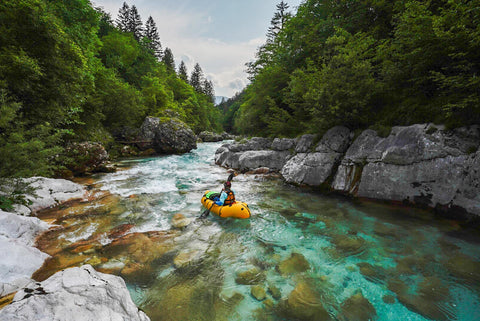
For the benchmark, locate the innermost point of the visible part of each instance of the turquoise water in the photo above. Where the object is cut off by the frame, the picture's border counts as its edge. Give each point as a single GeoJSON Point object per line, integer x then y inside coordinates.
{"type": "Point", "coordinates": [399, 263]}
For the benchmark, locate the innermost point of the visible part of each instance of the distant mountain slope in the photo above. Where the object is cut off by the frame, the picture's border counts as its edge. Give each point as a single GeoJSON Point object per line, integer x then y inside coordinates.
{"type": "Point", "coordinates": [218, 99]}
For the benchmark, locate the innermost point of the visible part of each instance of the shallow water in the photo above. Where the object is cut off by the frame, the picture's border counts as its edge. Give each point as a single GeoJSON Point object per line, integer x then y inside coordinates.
{"type": "Point", "coordinates": [313, 257]}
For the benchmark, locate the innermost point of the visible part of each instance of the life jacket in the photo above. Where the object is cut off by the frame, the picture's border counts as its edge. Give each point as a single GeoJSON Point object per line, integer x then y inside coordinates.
{"type": "Point", "coordinates": [230, 198]}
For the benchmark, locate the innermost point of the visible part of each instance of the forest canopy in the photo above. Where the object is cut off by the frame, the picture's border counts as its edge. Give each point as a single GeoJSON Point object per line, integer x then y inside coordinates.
{"type": "Point", "coordinates": [69, 73]}
{"type": "Point", "coordinates": [369, 63]}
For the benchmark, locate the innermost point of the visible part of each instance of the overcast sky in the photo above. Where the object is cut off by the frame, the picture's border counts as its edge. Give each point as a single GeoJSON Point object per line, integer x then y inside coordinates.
{"type": "Point", "coordinates": [221, 35]}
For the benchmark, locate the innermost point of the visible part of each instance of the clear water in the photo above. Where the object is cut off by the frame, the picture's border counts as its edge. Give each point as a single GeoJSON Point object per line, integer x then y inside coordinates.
{"type": "Point", "coordinates": [407, 264]}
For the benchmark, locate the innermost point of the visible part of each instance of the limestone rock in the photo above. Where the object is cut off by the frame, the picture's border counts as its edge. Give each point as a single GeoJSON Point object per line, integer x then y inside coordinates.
{"type": "Point", "coordinates": [282, 144]}
{"type": "Point", "coordinates": [74, 294]}
{"type": "Point", "coordinates": [22, 229]}
{"type": "Point", "coordinates": [421, 164]}
{"type": "Point", "coordinates": [167, 136]}
{"type": "Point", "coordinates": [17, 264]}
{"type": "Point", "coordinates": [206, 136]}
{"type": "Point", "coordinates": [336, 139]}
{"type": "Point", "coordinates": [310, 169]}
{"type": "Point", "coordinates": [262, 158]}
{"type": "Point", "coordinates": [304, 143]}
{"type": "Point", "coordinates": [88, 157]}
{"type": "Point", "coordinates": [51, 192]}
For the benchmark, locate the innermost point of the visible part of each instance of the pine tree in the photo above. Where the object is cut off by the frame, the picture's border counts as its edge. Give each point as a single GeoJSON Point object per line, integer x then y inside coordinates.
{"type": "Point", "coordinates": [182, 72]}
{"type": "Point", "coordinates": [123, 18]}
{"type": "Point", "coordinates": [135, 24]}
{"type": "Point", "coordinates": [278, 21]}
{"type": "Point", "coordinates": [209, 90]}
{"type": "Point", "coordinates": [151, 33]}
{"type": "Point", "coordinates": [196, 79]}
{"type": "Point", "coordinates": [168, 60]}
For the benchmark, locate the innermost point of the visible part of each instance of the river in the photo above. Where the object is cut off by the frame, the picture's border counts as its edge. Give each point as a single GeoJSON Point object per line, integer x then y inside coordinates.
{"type": "Point", "coordinates": [302, 255]}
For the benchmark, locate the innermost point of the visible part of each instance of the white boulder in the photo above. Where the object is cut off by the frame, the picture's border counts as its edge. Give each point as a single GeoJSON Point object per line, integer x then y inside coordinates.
{"type": "Point", "coordinates": [79, 293]}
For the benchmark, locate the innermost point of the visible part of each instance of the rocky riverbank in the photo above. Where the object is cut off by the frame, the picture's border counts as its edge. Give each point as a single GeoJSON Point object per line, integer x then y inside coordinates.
{"type": "Point", "coordinates": [423, 164]}
{"type": "Point", "coordinates": [72, 294]}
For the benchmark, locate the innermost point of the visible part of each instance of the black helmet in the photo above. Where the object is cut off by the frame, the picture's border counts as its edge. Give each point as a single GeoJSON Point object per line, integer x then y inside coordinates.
{"type": "Point", "coordinates": [227, 184]}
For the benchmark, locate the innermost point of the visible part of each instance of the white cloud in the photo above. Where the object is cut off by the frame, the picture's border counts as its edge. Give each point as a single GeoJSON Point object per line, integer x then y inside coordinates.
{"type": "Point", "coordinates": [182, 28]}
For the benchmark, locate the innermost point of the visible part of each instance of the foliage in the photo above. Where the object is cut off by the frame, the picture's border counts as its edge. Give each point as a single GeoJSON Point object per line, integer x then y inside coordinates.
{"type": "Point", "coordinates": [152, 38]}
{"type": "Point", "coordinates": [67, 73]}
{"type": "Point", "coordinates": [14, 191]}
{"type": "Point", "coordinates": [364, 64]}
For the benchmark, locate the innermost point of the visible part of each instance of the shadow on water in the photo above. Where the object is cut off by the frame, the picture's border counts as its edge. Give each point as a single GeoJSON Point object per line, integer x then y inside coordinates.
{"type": "Point", "coordinates": [302, 256]}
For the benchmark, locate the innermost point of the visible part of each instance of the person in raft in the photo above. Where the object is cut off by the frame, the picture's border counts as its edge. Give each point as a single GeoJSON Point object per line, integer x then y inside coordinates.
{"type": "Point", "coordinates": [227, 197]}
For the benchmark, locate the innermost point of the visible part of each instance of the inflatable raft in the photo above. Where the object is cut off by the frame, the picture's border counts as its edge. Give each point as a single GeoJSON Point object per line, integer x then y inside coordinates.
{"type": "Point", "coordinates": [235, 210]}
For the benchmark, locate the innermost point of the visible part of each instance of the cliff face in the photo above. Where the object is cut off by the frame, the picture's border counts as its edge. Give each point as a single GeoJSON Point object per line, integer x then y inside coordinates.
{"type": "Point", "coordinates": [420, 164]}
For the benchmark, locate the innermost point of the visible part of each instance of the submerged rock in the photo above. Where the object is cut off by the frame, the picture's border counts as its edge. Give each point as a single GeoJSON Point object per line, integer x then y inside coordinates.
{"type": "Point", "coordinates": [429, 300]}
{"type": "Point", "coordinates": [296, 263]}
{"type": "Point", "coordinates": [303, 303]}
{"type": "Point", "coordinates": [180, 221]}
{"type": "Point", "coordinates": [258, 292]}
{"type": "Point", "coordinates": [357, 308]}
{"type": "Point", "coordinates": [74, 294]}
{"type": "Point", "coordinates": [250, 277]}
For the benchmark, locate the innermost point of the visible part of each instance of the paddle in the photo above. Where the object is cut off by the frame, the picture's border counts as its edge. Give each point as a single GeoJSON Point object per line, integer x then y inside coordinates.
{"type": "Point", "coordinates": [207, 210]}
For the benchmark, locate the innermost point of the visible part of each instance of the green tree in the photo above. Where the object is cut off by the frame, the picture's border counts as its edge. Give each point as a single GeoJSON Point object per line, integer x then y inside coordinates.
{"type": "Point", "coordinates": [123, 18]}
{"type": "Point", "coordinates": [135, 25]}
{"type": "Point", "coordinates": [153, 43]}
{"type": "Point", "coordinates": [197, 78]}
{"type": "Point", "coordinates": [209, 90]}
{"type": "Point", "coordinates": [182, 72]}
{"type": "Point", "coordinates": [169, 60]}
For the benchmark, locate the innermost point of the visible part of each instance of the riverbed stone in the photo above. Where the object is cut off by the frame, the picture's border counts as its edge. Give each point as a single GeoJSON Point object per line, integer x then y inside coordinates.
{"type": "Point", "coordinates": [357, 307]}
{"type": "Point", "coordinates": [258, 292]}
{"type": "Point", "coordinates": [74, 294]}
{"type": "Point", "coordinates": [465, 267]}
{"type": "Point", "coordinates": [428, 300]}
{"type": "Point", "coordinates": [349, 244]}
{"type": "Point", "coordinates": [250, 277]}
{"type": "Point", "coordinates": [180, 221]}
{"type": "Point", "coordinates": [274, 291]}
{"type": "Point", "coordinates": [296, 263]}
{"type": "Point", "coordinates": [303, 303]}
